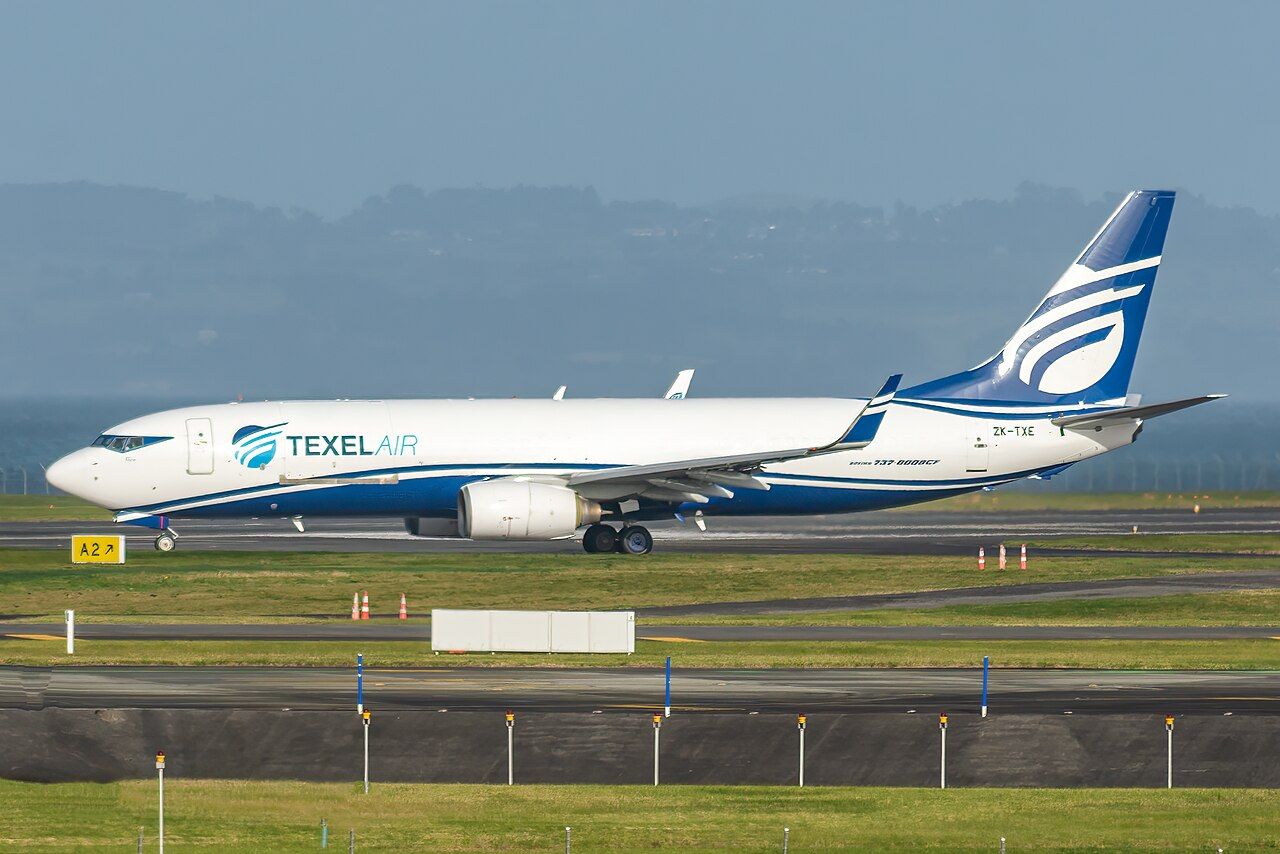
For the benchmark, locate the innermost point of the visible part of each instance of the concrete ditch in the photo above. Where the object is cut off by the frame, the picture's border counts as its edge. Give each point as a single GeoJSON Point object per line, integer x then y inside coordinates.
{"type": "Point", "coordinates": [61, 745]}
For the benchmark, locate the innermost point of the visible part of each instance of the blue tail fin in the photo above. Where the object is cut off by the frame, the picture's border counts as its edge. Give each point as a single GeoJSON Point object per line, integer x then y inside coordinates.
{"type": "Point", "coordinates": [1078, 346]}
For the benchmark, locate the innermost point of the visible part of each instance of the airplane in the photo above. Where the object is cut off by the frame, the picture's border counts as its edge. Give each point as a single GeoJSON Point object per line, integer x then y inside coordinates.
{"type": "Point", "coordinates": [1054, 395]}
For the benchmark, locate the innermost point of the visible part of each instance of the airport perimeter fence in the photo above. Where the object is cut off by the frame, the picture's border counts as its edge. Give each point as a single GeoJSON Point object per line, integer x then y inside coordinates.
{"type": "Point", "coordinates": [327, 841]}
{"type": "Point", "coordinates": [21, 480]}
{"type": "Point", "coordinates": [1125, 472]}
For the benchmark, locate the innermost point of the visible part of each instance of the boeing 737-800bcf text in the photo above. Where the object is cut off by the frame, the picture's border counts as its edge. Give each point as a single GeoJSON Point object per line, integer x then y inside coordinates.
{"type": "Point", "coordinates": [1055, 394]}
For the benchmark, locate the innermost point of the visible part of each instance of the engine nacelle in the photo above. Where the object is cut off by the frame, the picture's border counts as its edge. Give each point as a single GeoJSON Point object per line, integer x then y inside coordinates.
{"type": "Point", "coordinates": [522, 510]}
{"type": "Point", "coordinates": [426, 526]}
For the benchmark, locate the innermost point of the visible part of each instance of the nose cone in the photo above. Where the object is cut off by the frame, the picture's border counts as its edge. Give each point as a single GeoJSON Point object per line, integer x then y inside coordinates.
{"type": "Point", "coordinates": [74, 475]}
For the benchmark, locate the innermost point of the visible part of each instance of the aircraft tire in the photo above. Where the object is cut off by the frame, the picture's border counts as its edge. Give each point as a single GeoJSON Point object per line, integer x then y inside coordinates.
{"type": "Point", "coordinates": [166, 543]}
{"type": "Point", "coordinates": [599, 538]}
{"type": "Point", "coordinates": [635, 540]}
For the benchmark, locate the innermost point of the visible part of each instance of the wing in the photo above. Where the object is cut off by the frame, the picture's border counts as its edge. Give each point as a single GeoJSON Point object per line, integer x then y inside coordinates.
{"type": "Point", "coordinates": [694, 480]}
{"type": "Point", "coordinates": [1130, 413]}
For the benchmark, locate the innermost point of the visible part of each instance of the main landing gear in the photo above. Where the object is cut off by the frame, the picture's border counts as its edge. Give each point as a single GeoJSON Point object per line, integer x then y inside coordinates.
{"type": "Point", "coordinates": [166, 542]}
{"type": "Point", "coordinates": [631, 540]}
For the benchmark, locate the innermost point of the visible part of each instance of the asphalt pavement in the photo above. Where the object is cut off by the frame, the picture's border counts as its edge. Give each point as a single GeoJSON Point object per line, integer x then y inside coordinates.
{"type": "Point", "coordinates": [896, 532]}
{"type": "Point", "coordinates": [604, 689]}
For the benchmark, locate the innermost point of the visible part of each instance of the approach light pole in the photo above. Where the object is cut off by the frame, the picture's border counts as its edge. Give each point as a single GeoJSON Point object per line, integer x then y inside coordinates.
{"type": "Point", "coordinates": [801, 720]}
{"type": "Point", "coordinates": [657, 727]}
{"type": "Point", "coordinates": [511, 728]}
{"type": "Point", "coordinates": [942, 727]}
{"type": "Point", "coordinates": [160, 774]}
{"type": "Point", "coordinates": [365, 716]}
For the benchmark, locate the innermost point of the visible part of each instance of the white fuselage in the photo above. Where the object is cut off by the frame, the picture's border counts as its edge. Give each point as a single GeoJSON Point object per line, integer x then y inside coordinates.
{"type": "Point", "coordinates": [410, 457]}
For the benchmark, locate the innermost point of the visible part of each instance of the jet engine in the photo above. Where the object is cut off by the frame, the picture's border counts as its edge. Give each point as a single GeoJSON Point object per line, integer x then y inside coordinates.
{"type": "Point", "coordinates": [522, 510]}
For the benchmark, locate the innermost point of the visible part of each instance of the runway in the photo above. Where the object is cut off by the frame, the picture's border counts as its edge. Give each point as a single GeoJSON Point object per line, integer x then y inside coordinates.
{"type": "Point", "coordinates": [421, 633]}
{"type": "Point", "coordinates": [896, 532]}
{"type": "Point", "coordinates": [599, 689]}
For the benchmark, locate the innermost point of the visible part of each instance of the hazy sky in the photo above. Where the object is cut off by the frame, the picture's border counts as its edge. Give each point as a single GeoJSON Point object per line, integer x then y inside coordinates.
{"type": "Point", "coordinates": [321, 105]}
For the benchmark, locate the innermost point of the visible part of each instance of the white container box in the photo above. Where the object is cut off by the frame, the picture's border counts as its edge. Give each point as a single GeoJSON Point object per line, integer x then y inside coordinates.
{"type": "Point", "coordinates": [533, 631]}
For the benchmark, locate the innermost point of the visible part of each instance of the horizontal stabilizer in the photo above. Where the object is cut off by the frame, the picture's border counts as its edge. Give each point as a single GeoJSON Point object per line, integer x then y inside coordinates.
{"type": "Point", "coordinates": [1129, 413]}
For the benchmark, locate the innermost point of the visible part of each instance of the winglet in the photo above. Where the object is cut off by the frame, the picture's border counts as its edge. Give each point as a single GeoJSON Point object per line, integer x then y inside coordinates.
{"type": "Point", "coordinates": [680, 387]}
{"type": "Point", "coordinates": [867, 424]}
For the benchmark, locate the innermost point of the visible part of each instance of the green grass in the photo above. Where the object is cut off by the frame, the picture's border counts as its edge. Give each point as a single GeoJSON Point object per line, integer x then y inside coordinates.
{"type": "Point", "coordinates": [1237, 608]}
{"type": "Point", "coordinates": [285, 816]}
{"type": "Point", "coordinates": [49, 508]}
{"type": "Point", "coordinates": [233, 587]}
{"type": "Point", "coordinates": [1209, 543]}
{"type": "Point", "coordinates": [1248, 654]}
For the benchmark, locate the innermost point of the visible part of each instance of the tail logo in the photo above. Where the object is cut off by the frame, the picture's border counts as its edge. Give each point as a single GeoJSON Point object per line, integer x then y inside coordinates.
{"type": "Point", "coordinates": [255, 446]}
{"type": "Point", "coordinates": [1072, 341]}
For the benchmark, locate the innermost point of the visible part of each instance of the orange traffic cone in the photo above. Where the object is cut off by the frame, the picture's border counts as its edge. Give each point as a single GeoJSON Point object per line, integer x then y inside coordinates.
{"type": "Point", "coordinates": [404, 608]}
{"type": "Point", "coordinates": [355, 606]}
{"type": "Point", "coordinates": [982, 558]}
{"type": "Point", "coordinates": [364, 606]}
{"type": "Point", "coordinates": [1022, 561]}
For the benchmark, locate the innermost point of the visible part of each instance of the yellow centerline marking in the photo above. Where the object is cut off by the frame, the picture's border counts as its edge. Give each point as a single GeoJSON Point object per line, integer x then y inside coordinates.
{"type": "Point", "coordinates": [34, 637]}
{"type": "Point", "coordinates": [672, 640]}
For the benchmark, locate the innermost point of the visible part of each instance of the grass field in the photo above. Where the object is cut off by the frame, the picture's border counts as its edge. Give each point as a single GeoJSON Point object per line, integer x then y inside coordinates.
{"type": "Point", "coordinates": [1250, 654]}
{"type": "Point", "coordinates": [1237, 608]}
{"type": "Point", "coordinates": [49, 508]}
{"type": "Point", "coordinates": [231, 587]}
{"type": "Point", "coordinates": [243, 816]}
{"type": "Point", "coordinates": [1217, 543]}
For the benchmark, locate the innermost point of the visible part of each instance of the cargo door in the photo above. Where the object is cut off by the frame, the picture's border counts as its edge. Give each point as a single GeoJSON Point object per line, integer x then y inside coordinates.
{"type": "Point", "coordinates": [977, 453]}
{"type": "Point", "coordinates": [199, 446]}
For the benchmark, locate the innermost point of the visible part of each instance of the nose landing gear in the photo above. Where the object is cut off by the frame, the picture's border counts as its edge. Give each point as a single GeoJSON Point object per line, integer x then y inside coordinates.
{"type": "Point", "coordinates": [603, 539]}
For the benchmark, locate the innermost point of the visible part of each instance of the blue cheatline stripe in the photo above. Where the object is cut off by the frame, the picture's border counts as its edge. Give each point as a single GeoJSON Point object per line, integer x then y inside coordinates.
{"type": "Point", "coordinates": [503, 469]}
{"type": "Point", "coordinates": [997, 416]}
{"type": "Point", "coordinates": [322, 492]}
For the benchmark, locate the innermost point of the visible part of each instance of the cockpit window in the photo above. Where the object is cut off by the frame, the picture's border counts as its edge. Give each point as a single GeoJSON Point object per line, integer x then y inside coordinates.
{"type": "Point", "coordinates": [124, 444]}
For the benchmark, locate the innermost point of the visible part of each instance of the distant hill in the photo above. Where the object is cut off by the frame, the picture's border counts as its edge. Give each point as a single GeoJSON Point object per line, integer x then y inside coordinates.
{"type": "Point", "coordinates": [135, 292]}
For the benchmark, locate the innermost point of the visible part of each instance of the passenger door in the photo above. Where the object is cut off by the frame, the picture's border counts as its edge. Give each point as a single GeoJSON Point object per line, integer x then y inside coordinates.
{"type": "Point", "coordinates": [199, 446]}
{"type": "Point", "coordinates": [977, 452]}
